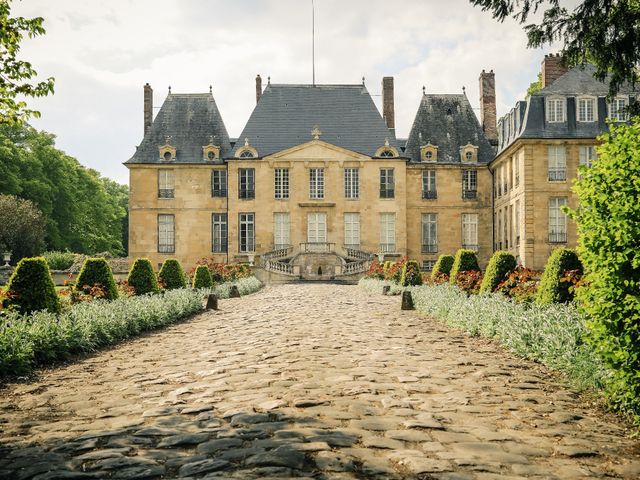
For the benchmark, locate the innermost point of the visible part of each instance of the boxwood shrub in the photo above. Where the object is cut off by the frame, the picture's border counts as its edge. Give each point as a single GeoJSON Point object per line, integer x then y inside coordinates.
{"type": "Point", "coordinates": [501, 264]}
{"type": "Point", "coordinates": [411, 274]}
{"type": "Point", "coordinates": [443, 265]}
{"type": "Point", "coordinates": [59, 260]}
{"type": "Point", "coordinates": [552, 289]}
{"type": "Point", "coordinates": [464, 261]}
{"type": "Point", "coordinates": [97, 272]}
{"type": "Point", "coordinates": [171, 275]}
{"type": "Point", "coordinates": [142, 278]}
{"type": "Point", "coordinates": [31, 287]}
{"type": "Point", "coordinates": [202, 277]}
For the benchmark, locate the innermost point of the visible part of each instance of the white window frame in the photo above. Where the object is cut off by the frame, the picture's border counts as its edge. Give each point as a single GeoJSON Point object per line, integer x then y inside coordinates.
{"type": "Point", "coordinates": [587, 154]}
{"type": "Point", "coordinates": [557, 163]}
{"type": "Point", "coordinates": [246, 232]}
{"type": "Point", "coordinates": [429, 184]}
{"type": "Point", "coordinates": [352, 230]}
{"type": "Point", "coordinates": [281, 230]}
{"type": "Point", "coordinates": [219, 232]}
{"type": "Point", "coordinates": [166, 183]}
{"type": "Point", "coordinates": [617, 109]}
{"type": "Point", "coordinates": [556, 109]}
{"type": "Point", "coordinates": [166, 233]}
{"type": "Point", "coordinates": [351, 183]}
{"type": "Point", "coordinates": [470, 183]}
{"type": "Point", "coordinates": [387, 232]}
{"type": "Point", "coordinates": [517, 223]}
{"type": "Point", "coordinates": [281, 183]}
{"type": "Point", "coordinates": [583, 113]}
{"type": "Point", "coordinates": [470, 231]}
{"type": "Point", "coordinates": [557, 220]}
{"type": "Point", "coordinates": [429, 223]}
{"type": "Point", "coordinates": [316, 183]}
{"type": "Point", "coordinates": [316, 227]}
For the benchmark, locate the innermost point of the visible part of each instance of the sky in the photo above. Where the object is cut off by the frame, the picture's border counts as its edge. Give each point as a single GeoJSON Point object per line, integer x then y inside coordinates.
{"type": "Point", "coordinates": [101, 53]}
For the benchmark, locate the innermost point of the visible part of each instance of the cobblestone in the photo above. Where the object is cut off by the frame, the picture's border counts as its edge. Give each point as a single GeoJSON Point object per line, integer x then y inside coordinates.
{"type": "Point", "coordinates": [302, 381]}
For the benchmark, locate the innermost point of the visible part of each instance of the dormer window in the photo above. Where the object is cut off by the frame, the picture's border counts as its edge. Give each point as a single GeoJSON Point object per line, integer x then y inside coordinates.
{"type": "Point", "coordinates": [246, 154]}
{"type": "Point", "coordinates": [468, 156]}
{"type": "Point", "coordinates": [210, 152]}
{"type": "Point", "coordinates": [246, 151]}
{"type": "Point", "coordinates": [429, 153]}
{"type": "Point", "coordinates": [556, 109]}
{"type": "Point", "coordinates": [167, 153]}
{"type": "Point", "coordinates": [469, 153]}
{"type": "Point", "coordinates": [387, 151]}
{"type": "Point", "coordinates": [618, 109]}
{"type": "Point", "coordinates": [587, 109]}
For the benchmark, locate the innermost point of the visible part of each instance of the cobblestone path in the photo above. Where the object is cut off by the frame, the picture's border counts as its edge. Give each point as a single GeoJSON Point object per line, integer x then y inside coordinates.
{"type": "Point", "coordinates": [318, 381]}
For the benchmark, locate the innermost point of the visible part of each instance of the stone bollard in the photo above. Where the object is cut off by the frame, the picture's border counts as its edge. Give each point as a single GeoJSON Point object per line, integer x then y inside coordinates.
{"type": "Point", "coordinates": [385, 289]}
{"type": "Point", "coordinates": [212, 302]}
{"type": "Point", "coordinates": [233, 292]}
{"type": "Point", "coordinates": [407, 301]}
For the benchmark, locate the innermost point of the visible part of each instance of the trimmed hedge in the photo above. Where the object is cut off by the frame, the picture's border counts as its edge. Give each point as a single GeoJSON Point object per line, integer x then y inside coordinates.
{"type": "Point", "coordinates": [59, 260]}
{"type": "Point", "coordinates": [551, 289]}
{"type": "Point", "coordinates": [464, 261]}
{"type": "Point", "coordinates": [142, 278]}
{"type": "Point", "coordinates": [443, 265]}
{"type": "Point", "coordinates": [411, 274]}
{"type": "Point", "coordinates": [31, 287]}
{"type": "Point", "coordinates": [202, 277]}
{"type": "Point", "coordinates": [172, 275]}
{"type": "Point", "coordinates": [501, 264]}
{"type": "Point", "coordinates": [96, 271]}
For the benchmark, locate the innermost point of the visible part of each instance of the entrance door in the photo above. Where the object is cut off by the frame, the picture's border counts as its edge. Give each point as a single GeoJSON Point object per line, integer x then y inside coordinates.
{"type": "Point", "coordinates": [317, 231]}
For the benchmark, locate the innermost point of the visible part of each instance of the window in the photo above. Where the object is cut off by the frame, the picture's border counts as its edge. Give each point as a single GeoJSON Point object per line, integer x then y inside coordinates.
{"type": "Point", "coordinates": [246, 154]}
{"type": "Point", "coordinates": [516, 171]}
{"type": "Point", "coordinates": [505, 226]}
{"type": "Point", "coordinates": [427, 265]}
{"type": "Point", "coordinates": [351, 183]}
{"type": "Point", "coordinates": [468, 156]}
{"type": "Point", "coordinates": [470, 231]}
{"type": "Point", "coordinates": [246, 232]}
{"type": "Point", "coordinates": [387, 232]}
{"type": "Point", "coordinates": [166, 234]}
{"type": "Point", "coordinates": [517, 223]}
{"type": "Point", "coordinates": [557, 220]}
{"type": "Point", "coordinates": [219, 183]}
{"type": "Point", "coordinates": [429, 184]}
{"type": "Point", "coordinates": [428, 155]}
{"type": "Point", "coordinates": [429, 233]}
{"type": "Point", "coordinates": [557, 162]}
{"type": "Point", "coordinates": [618, 110]}
{"type": "Point", "coordinates": [386, 153]}
{"type": "Point", "coordinates": [281, 230]}
{"type": "Point", "coordinates": [469, 184]}
{"type": "Point", "coordinates": [317, 230]}
{"type": "Point", "coordinates": [316, 183]}
{"type": "Point", "coordinates": [586, 109]}
{"type": "Point", "coordinates": [246, 183]}
{"type": "Point", "coordinates": [281, 179]}
{"type": "Point", "coordinates": [352, 230]}
{"type": "Point", "coordinates": [555, 110]}
{"type": "Point", "coordinates": [587, 155]}
{"type": "Point", "coordinates": [219, 232]}
{"type": "Point", "coordinates": [387, 183]}
{"type": "Point", "coordinates": [165, 184]}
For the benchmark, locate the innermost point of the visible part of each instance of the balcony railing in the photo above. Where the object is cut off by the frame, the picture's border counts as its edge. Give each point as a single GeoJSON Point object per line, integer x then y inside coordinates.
{"type": "Point", "coordinates": [471, 247]}
{"type": "Point", "coordinates": [558, 237]}
{"type": "Point", "coordinates": [317, 247]}
{"type": "Point", "coordinates": [429, 194]}
{"type": "Point", "coordinates": [557, 175]}
{"type": "Point", "coordinates": [469, 194]}
{"type": "Point", "coordinates": [165, 193]}
{"type": "Point", "coordinates": [387, 247]}
{"type": "Point", "coordinates": [387, 193]}
{"type": "Point", "coordinates": [430, 248]}
{"type": "Point", "coordinates": [246, 194]}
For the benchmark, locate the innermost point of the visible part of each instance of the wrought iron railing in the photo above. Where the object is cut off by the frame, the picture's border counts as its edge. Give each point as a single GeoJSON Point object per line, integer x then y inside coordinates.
{"type": "Point", "coordinates": [558, 237]}
{"type": "Point", "coordinates": [469, 194]}
{"type": "Point", "coordinates": [557, 174]}
{"type": "Point", "coordinates": [429, 194]}
{"type": "Point", "coordinates": [165, 193]}
{"type": "Point", "coordinates": [430, 248]}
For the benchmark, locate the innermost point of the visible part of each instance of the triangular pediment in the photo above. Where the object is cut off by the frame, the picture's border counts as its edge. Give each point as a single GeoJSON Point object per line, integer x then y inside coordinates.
{"type": "Point", "coordinates": [317, 150]}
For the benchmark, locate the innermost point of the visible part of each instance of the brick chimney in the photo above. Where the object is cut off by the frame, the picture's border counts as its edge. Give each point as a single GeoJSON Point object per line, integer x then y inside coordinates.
{"type": "Point", "coordinates": [258, 88]}
{"type": "Point", "coordinates": [488, 106]}
{"type": "Point", "coordinates": [148, 107]}
{"type": "Point", "coordinates": [552, 69]}
{"type": "Point", "coordinates": [388, 110]}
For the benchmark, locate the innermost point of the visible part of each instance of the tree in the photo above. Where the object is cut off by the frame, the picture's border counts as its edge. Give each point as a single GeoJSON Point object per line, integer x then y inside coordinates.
{"type": "Point", "coordinates": [536, 86]}
{"type": "Point", "coordinates": [15, 74]}
{"type": "Point", "coordinates": [601, 32]}
{"type": "Point", "coordinates": [21, 228]}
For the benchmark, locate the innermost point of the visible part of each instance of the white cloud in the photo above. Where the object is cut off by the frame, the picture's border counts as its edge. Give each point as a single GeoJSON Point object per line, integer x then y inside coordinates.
{"type": "Point", "coordinates": [102, 52]}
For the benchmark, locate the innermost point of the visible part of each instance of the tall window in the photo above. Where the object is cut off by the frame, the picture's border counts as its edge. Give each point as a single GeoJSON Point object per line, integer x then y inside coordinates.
{"type": "Point", "coordinates": [165, 184]}
{"type": "Point", "coordinates": [219, 233]}
{"type": "Point", "coordinates": [429, 233]}
{"type": "Point", "coordinates": [470, 231]}
{"type": "Point", "coordinates": [352, 230]}
{"type": "Point", "coordinates": [429, 184]}
{"type": "Point", "coordinates": [387, 232]}
{"type": "Point", "coordinates": [516, 222]}
{"type": "Point", "coordinates": [587, 155]}
{"type": "Point", "coordinates": [316, 183]}
{"type": "Point", "coordinates": [555, 110]}
{"type": "Point", "coordinates": [166, 234]}
{"type": "Point", "coordinates": [246, 232]}
{"type": "Point", "coordinates": [281, 230]}
{"type": "Point", "coordinates": [281, 179]}
{"type": "Point", "coordinates": [586, 109]}
{"type": "Point", "coordinates": [387, 183]}
{"type": "Point", "coordinates": [246, 183]}
{"type": "Point", "coordinates": [351, 183]}
{"type": "Point", "coordinates": [557, 162]}
{"type": "Point", "coordinates": [557, 220]}
{"type": "Point", "coordinates": [219, 183]}
{"type": "Point", "coordinates": [618, 110]}
{"type": "Point", "coordinates": [516, 171]}
{"type": "Point", "coordinates": [469, 184]}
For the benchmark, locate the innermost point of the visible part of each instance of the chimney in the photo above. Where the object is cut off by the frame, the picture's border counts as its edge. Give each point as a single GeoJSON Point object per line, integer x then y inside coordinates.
{"type": "Point", "coordinates": [148, 107]}
{"type": "Point", "coordinates": [258, 88]}
{"type": "Point", "coordinates": [388, 110]}
{"type": "Point", "coordinates": [552, 69]}
{"type": "Point", "coordinates": [488, 106]}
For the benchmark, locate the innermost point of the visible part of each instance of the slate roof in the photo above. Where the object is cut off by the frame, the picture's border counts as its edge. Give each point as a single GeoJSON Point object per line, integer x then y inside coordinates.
{"type": "Point", "coordinates": [190, 121]}
{"type": "Point", "coordinates": [527, 118]}
{"type": "Point", "coordinates": [448, 122]}
{"type": "Point", "coordinates": [286, 115]}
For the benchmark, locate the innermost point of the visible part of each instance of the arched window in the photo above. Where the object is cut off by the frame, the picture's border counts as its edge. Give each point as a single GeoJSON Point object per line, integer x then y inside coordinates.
{"type": "Point", "coordinates": [386, 153]}
{"type": "Point", "coordinates": [246, 154]}
{"type": "Point", "coordinates": [469, 156]}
